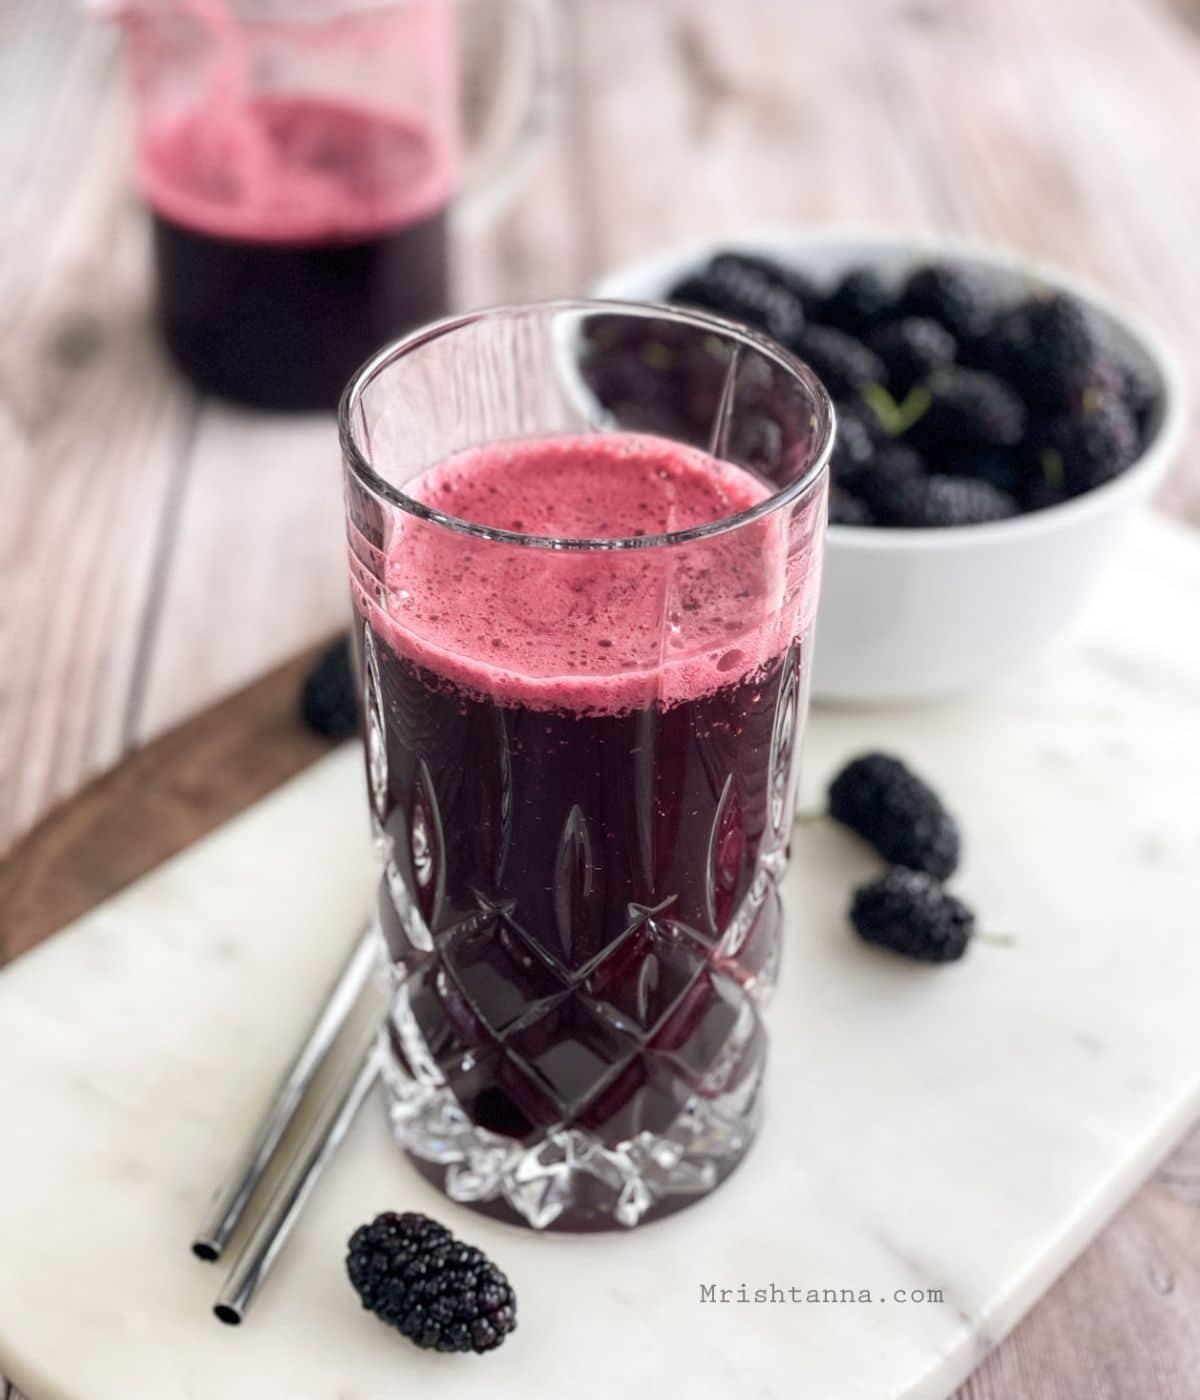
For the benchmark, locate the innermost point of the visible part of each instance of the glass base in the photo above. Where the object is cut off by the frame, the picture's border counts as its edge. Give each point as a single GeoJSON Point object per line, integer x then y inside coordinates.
{"type": "Point", "coordinates": [567, 1179]}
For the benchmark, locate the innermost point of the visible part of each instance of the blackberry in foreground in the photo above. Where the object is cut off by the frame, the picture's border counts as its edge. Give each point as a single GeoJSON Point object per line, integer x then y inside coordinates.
{"type": "Point", "coordinates": [329, 698]}
{"type": "Point", "coordinates": [940, 501]}
{"type": "Point", "coordinates": [859, 300]}
{"type": "Point", "coordinates": [969, 406]}
{"type": "Point", "coordinates": [911, 349]}
{"type": "Point", "coordinates": [882, 800]}
{"type": "Point", "coordinates": [910, 913]}
{"type": "Point", "coordinates": [951, 295]}
{"type": "Point", "coordinates": [443, 1295]}
{"type": "Point", "coordinates": [844, 365]}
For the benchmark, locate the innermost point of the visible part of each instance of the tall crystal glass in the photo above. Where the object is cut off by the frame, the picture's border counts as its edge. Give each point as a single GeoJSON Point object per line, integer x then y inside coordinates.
{"type": "Point", "coordinates": [585, 544]}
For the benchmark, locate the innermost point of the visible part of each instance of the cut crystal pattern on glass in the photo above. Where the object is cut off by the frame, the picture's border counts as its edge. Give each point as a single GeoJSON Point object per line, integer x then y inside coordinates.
{"type": "Point", "coordinates": [408, 915]}
{"type": "Point", "coordinates": [610, 1063]}
{"type": "Point", "coordinates": [726, 853]}
{"type": "Point", "coordinates": [647, 974]}
{"type": "Point", "coordinates": [575, 911]}
{"type": "Point", "coordinates": [376, 738]}
{"type": "Point", "coordinates": [602, 1089]}
{"type": "Point", "coordinates": [567, 1167]}
{"type": "Point", "coordinates": [781, 772]}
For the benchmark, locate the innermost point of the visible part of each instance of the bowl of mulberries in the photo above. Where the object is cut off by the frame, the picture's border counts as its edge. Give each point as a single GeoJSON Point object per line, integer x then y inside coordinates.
{"type": "Point", "coordinates": [999, 426]}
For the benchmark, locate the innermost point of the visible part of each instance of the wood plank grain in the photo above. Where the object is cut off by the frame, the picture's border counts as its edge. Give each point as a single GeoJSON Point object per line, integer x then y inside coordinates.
{"type": "Point", "coordinates": [255, 566]}
{"type": "Point", "coordinates": [744, 115]}
{"type": "Point", "coordinates": [92, 431]}
{"type": "Point", "coordinates": [1123, 1323]}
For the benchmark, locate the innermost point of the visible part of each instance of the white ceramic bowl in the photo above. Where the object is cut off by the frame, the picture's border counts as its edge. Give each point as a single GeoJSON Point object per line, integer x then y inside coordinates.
{"type": "Point", "coordinates": [918, 614]}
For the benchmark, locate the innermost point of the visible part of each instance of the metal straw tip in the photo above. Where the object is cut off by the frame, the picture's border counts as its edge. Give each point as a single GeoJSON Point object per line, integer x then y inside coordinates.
{"type": "Point", "coordinates": [244, 1176]}
{"type": "Point", "coordinates": [290, 1192]}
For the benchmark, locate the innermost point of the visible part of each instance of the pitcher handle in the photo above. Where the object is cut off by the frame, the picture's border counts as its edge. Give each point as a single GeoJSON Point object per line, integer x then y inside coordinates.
{"type": "Point", "coordinates": [497, 177]}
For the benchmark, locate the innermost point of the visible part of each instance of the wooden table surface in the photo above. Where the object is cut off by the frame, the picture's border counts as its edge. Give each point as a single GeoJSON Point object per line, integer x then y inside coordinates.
{"type": "Point", "coordinates": [157, 552]}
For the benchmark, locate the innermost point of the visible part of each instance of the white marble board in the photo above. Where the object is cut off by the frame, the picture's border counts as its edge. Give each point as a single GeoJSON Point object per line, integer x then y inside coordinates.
{"type": "Point", "coordinates": [966, 1128]}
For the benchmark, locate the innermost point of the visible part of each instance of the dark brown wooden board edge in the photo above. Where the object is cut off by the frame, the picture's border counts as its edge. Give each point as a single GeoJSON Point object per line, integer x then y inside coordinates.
{"type": "Point", "coordinates": [154, 804]}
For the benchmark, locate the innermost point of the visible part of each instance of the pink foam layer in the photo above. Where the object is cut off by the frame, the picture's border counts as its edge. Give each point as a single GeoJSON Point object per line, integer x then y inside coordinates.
{"type": "Point", "coordinates": [596, 631]}
{"type": "Point", "coordinates": [286, 169]}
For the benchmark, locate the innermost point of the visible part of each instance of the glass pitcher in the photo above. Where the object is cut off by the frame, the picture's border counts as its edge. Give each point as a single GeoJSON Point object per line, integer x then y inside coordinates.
{"type": "Point", "coordinates": [301, 160]}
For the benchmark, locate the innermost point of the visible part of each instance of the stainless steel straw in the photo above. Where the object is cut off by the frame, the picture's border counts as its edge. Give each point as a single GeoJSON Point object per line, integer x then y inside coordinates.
{"type": "Point", "coordinates": [247, 1171]}
{"type": "Point", "coordinates": [321, 1141]}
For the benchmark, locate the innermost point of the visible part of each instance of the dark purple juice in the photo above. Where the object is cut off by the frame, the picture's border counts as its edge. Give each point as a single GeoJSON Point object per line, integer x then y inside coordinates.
{"type": "Point", "coordinates": [291, 242]}
{"type": "Point", "coordinates": [577, 875]}
{"type": "Point", "coordinates": [284, 327]}
{"type": "Point", "coordinates": [583, 778]}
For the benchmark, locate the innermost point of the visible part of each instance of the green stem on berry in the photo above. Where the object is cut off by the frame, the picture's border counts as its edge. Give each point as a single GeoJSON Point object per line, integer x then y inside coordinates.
{"type": "Point", "coordinates": [1053, 470]}
{"type": "Point", "coordinates": [883, 406]}
{"type": "Point", "coordinates": [896, 418]}
{"type": "Point", "coordinates": [916, 404]}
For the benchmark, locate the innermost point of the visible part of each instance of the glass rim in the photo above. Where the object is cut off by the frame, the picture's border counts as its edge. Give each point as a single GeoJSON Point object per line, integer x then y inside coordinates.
{"type": "Point", "coordinates": [396, 350]}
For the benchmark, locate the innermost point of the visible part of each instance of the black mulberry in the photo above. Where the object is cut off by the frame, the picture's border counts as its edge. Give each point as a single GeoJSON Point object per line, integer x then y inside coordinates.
{"type": "Point", "coordinates": [910, 913]}
{"type": "Point", "coordinates": [881, 799]}
{"type": "Point", "coordinates": [414, 1275]}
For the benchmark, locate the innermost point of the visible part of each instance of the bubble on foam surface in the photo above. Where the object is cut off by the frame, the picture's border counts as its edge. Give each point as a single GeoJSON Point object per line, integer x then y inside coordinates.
{"type": "Point", "coordinates": [593, 630]}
